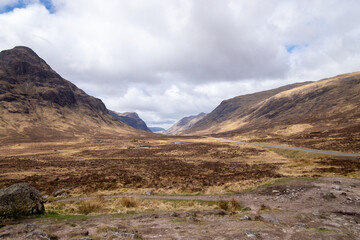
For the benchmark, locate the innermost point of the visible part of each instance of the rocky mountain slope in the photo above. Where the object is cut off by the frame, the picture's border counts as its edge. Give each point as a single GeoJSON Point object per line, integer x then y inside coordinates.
{"type": "Point", "coordinates": [132, 119]}
{"type": "Point", "coordinates": [184, 124]}
{"type": "Point", "coordinates": [327, 109]}
{"type": "Point", "coordinates": [37, 103]}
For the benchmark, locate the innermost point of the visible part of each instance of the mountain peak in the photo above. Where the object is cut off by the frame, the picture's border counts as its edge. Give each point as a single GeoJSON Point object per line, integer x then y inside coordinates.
{"type": "Point", "coordinates": [23, 61]}
{"type": "Point", "coordinates": [37, 103]}
{"type": "Point", "coordinates": [19, 51]}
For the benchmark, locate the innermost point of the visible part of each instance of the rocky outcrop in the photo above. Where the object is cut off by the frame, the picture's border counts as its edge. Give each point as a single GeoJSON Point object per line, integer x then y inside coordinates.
{"type": "Point", "coordinates": [20, 199]}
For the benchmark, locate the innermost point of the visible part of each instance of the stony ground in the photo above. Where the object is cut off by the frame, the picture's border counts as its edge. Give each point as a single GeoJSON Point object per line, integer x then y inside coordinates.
{"type": "Point", "coordinates": [323, 208]}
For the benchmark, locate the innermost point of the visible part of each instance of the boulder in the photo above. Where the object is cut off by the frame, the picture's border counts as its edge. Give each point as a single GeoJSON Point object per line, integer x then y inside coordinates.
{"type": "Point", "coordinates": [63, 192]}
{"type": "Point", "coordinates": [268, 218]}
{"type": "Point", "coordinates": [20, 199]}
{"type": "Point", "coordinates": [39, 235]}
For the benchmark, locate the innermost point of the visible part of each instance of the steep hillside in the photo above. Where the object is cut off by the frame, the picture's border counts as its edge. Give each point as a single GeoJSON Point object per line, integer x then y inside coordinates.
{"type": "Point", "coordinates": [322, 114]}
{"type": "Point", "coordinates": [132, 119]}
{"type": "Point", "coordinates": [184, 124]}
{"type": "Point", "coordinates": [36, 103]}
{"type": "Point", "coordinates": [227, 116]}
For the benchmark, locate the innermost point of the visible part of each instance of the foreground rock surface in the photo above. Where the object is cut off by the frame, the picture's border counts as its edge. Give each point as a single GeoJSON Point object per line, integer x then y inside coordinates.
{"type": "Point", "coordinates": [288, 215]}
{"type": "Point", "coordinates": [20, 199]}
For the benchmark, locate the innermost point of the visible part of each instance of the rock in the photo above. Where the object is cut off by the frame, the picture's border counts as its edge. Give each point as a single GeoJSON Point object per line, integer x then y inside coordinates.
{"type": "Point", "coordinates": [79, 232]}
{"type": "Point", "coordinates": [20, 199]}
{"type": "Point", "coordinates": [4, 235]}
{"type": "Point", "coordinates": [174, 214]}
{"type": "Point", "coordinates": [45, 198]}
{"type": "Point", "coordinates": [86, 238]}
{"type": "Point", "coordinates": [268, 218]}
{"type": "Point", "coordinates": [245, 217]}
{"type": "Point", "coordinates": [220, 213]}
{"type": "Point", "coordinates": [63, 192]}
{"type": "Point", "coordinates": [251, 233]}
{"type": "Point", "coordinates": [39, 235]}
{"type": "Point", "coordinates": [315, 213]}
{"type": "Point", "coordinates": [329, 196]}
{"type": "Point", "coordinates": [121, 235]}
{"type": "Point", "coordinates": [300, 225]}
{"type": "Point", "coordinates": [192, 219]}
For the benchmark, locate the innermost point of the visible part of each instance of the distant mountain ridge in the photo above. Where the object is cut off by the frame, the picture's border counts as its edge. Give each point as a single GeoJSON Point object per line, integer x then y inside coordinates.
{"type": "Point", "coordinates": [184, 124]}
{"type": "Point", "coordinates": [132, 119]}
{"type": "Point", "coordinates": [157, 129]}
{"type": "Point", "coordinates": [37, 103]}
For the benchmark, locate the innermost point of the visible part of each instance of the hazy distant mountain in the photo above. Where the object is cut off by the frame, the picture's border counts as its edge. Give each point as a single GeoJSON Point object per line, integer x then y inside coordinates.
{"type": "Point", "coordinates": [156, 129]}
{"type": "Point", "coordinates": [184, 124]}
{"type": "Point", "coordinates": [37, 103]}
{"type": "Point", "coordinates": [132, 119]}
{"type": "Point", "coordinates": [327, 109]}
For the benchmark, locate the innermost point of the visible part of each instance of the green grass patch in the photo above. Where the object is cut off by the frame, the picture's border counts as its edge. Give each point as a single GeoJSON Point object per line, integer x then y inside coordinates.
{"type": "Point", "coordinates": [279, 181]}
{"type": "Point", "coordinates": [62, 217]}
{"type": "Point", "coordinates": [326, 229]}
{"type": "Point", "coordinates": [355, 175]}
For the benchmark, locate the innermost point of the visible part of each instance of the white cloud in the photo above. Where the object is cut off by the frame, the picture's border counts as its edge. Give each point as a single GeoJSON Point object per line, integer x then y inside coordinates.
{"type": "Point", "coordinates": [168, 59]}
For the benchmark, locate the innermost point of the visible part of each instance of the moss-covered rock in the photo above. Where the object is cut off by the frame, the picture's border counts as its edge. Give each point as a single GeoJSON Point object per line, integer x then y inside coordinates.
{"type": "Point", "coordinates": [20, 199]}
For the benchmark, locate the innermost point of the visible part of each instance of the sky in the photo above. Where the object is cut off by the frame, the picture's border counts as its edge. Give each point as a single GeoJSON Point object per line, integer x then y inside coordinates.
{"type": "Point", "coordinates": [167, 59]}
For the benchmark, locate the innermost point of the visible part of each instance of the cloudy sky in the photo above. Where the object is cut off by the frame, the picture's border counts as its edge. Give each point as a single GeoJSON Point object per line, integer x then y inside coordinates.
{"type": "Point", "coordinates": [167, 59]}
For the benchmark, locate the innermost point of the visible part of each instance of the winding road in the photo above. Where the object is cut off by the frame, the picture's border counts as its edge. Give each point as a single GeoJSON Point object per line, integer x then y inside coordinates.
{"type": "Point", "coordinates": [288, 148]}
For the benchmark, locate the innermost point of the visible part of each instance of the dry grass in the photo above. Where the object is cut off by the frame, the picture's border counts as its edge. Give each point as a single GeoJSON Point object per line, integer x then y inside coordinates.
{"type": "Point", "coordinates": [129, 202]}
{"type": "Point", "coordinates": [233, 206]}
{"type": "Point", "coordinates": [129, 205]}
{"type": "Point", "coordinates": [90, 206]}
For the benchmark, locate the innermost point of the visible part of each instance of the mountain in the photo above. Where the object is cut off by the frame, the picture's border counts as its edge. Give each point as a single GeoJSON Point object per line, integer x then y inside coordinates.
{"type": "Point", "coordinates": [156, 129]}
{"type": "Point", "coordinates": [184, 124]}
{"type": "Point", "coordinates": [227, 116]}
{"type": "Point", "coordinates": [327, 110]}
{"type": "Point", "coordinates": [36, 103]}
{"type": "Point", "coordinates": [132, 119]}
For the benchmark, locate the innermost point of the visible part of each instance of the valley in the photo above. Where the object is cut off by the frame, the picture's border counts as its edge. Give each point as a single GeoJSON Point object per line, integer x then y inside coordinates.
{"type": "Point", "coordinates": [278, 164]}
